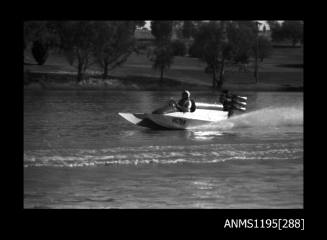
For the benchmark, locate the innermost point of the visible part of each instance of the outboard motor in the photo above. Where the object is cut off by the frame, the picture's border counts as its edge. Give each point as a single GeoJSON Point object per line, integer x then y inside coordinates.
{"type": "Point", "coordinates": [232, 102]}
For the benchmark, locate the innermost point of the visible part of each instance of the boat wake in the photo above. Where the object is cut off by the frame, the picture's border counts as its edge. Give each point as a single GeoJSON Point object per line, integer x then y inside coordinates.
{"type": "Point", "coordinates": [280, 116]}
{"type": "Point", "coordinates": [267, 117]}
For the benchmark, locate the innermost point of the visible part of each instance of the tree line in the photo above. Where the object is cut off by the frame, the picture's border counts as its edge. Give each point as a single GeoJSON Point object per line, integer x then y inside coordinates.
{"type": "Point", "coordinates": [83, 43]}
{"type": "Point", "coordinates": [287, 30]}
{"type": "Point", "coordinates": [109, 43]}
{"type": "Point", "coordinates": [218, 43]}
{"type": "Point", "coordinates": [214, 42]}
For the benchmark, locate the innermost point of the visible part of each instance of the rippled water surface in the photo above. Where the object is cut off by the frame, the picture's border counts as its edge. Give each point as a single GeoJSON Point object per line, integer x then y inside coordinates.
{"type": "Point", "coordinates": [79, 153]}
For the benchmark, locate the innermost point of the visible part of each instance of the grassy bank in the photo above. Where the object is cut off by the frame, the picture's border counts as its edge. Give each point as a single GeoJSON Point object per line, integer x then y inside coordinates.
{"type": "Point", "coordinates": [62, 81]}
{"type": "Point", "coordinates": [283, 71]}
{"type": "Point", "coordinates": [56, 81]}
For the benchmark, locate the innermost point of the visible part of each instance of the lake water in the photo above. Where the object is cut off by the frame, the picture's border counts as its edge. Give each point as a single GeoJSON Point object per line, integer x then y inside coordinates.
{"type": "Point", "coordinates": [79, 153]}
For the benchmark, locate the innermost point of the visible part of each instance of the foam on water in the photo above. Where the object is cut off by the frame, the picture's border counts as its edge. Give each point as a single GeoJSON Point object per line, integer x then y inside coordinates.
{"type": "Point", "coordinates": [211, 153]}
{"type": "Point", "coordinates": [274, 116]}
{"type": "Point", "coordinates": [266, 117]}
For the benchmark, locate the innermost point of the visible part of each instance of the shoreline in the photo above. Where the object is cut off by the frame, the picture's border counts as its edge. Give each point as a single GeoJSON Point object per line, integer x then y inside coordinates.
{"type": "Point", "coordinates": [67, 81]}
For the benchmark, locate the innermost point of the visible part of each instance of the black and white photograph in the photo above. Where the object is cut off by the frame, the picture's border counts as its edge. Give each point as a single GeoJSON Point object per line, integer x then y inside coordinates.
{"type": "Point", "coordinates": [163, 114]}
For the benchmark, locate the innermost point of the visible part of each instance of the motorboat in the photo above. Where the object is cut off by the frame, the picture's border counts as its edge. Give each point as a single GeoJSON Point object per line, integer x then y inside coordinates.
{"type": "Point", "coordinates": [168, 117]}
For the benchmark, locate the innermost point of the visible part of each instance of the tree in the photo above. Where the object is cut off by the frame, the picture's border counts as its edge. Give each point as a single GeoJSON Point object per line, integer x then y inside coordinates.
{"type": "Point", "coordinates": [293, 30]}
{"type": "Point", "coordinates": [195, 50]}
{"type": "Point", "coordinates": [162, 56]}
{"type": "Point", "coordinates": [179, 48]}
{"type": "Point", "coordinates": [210, 45]}
{"type": "Point", "coordinates": [243, 43]}
{"type": "Point", "coordinates": [277, 33]}
{"type": "Point", "coordinates": [114, 43]}
{"type": "Point", "coordinates": [251, 25]}
{"type": "Point", "coordinates": [33, 31]}
{"type": "Point", "coordinates": [264, 48]}
{"type": "Point", "coordinates": [188, 29]}
{"type": "Point", "coordinates": [288, 30]}
{"type": "Point", "coordinates": [43, 36]}
{"type": "Point", "coordinates": [178, 28]}
{"type": "Point", "coordinates": [241, 40]}
{"type": "Point", "coordinates": [40, 52]}
{"type": "Point", "coordinates": [162, 30]}
{"type": "Point", "coordinates": [218, 42]}
{"type": "Point", "coordinates": [77, 41]}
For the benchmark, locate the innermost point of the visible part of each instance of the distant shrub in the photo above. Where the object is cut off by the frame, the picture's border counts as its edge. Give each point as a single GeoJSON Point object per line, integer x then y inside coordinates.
{"type": "Point", "coordinates": [40, 52]}
{"type": "Point", "coordinates": [179, 48]}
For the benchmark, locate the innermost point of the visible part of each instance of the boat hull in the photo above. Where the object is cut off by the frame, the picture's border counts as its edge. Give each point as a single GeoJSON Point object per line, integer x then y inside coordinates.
{"type": "Point", "coordinates": [176, 120]}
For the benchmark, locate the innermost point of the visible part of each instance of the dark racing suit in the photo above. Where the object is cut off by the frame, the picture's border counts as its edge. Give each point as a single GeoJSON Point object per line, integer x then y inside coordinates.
{"type": "Point", "coordinates": [184, 105]}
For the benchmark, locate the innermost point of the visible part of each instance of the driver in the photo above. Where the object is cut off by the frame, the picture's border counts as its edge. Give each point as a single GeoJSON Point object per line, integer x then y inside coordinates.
{"type": "Point", "coordinates": [185, 104]}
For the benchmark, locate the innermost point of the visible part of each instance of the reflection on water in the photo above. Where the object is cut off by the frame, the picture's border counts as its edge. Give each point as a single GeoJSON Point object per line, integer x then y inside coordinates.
{"type": "Point", "coordinates": [78, 152]}
{"type": "Point", "coordinates": [204, 135]}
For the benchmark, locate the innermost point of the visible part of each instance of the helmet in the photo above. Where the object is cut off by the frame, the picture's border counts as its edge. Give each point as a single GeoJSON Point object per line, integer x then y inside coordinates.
{"type": "Point", "coordinates": [186, 94]}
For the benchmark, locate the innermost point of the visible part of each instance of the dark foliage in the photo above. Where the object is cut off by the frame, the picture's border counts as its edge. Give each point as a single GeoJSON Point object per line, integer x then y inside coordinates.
{"type": "Point", "coordinates": [40, 52]}
{"type": "Point", "coordinates": [194, 50]}
{"type": "Point", "coordinates": [113, 44]}
{"type": "Point", "coordinates": [162, 30]}
{"type": "Point", "coordinates": [209, 44]}
{"type": "Point", "coordinates": [288, 30]}
{"type": "Point", "coordinates": [179, 48]}
{"type": "Point", "coordinates": [162, 56]}
{"type": "Point", "coordinates": [264, 48]}
{"type": "Point", "coordinates": [188, 29]}
{"type": "Point", "coordinates": [241, 40]}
